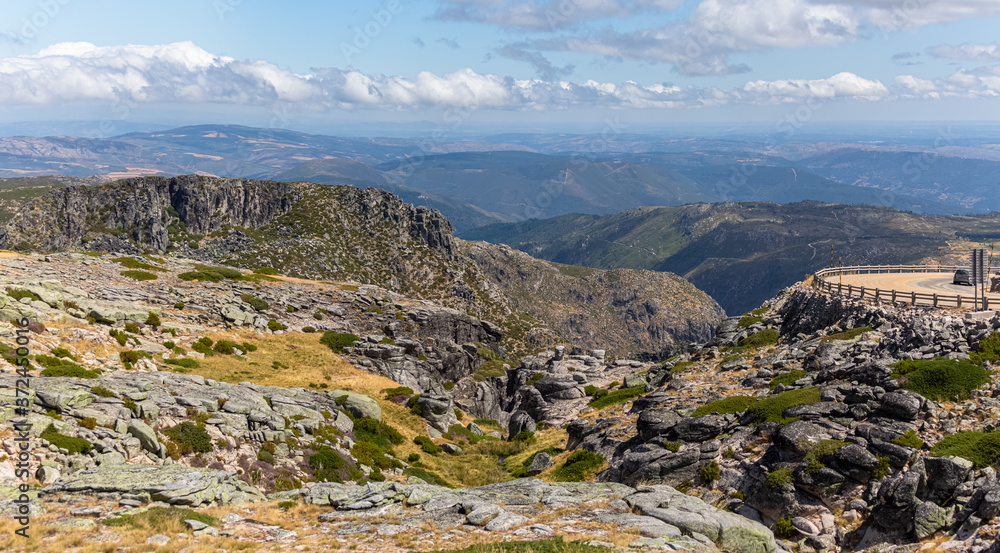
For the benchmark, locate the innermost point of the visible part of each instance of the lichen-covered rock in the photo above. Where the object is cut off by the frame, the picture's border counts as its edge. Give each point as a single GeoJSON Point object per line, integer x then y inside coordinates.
{"type": "Point", "coordinates": [173, 484]}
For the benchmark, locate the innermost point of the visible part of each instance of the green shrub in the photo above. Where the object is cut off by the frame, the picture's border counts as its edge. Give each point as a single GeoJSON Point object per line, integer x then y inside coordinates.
{"type": "Point", "coordinates": [101, 391]}
{"type": "Point", "coordinates": [579, 466]}
{"type": "Point", "coordinates": [53, 414]}
{"type": "Point", "coordinates": [120, 337]}
{"type": "Point", "coordinates": [132, 327]}
{"type": "Point", "coordinates": [255, 302]}
{"type": "Point", "coordinates": [710, 471]}
{"type": "Point", "coordinates": [748, 321]}
{"type": "Point", "coordinates": [70, 371]}
{"type": "Point", "coordinates": [449, 385]}
{"type": "Point", "coordinates": [265, 271]}
{"type": "Point", "coordinates": [21, 293]}
{"type": "Point", "coordinates": [525, 436]}
{"type": "Point", "coordinates": [190, 437]}
{"type": "Point", "coordinates": [909, 439]}
{"type": "Point", "coordinates": [672, 446]}
{"type": "Point", "coordinates": [618, 396]}
{"type": "Point", "coordinates": [275, 326]}
{"type": "Point", "coordinates": [788, 378]}
{"type": "Point", "coordinates": [318, 316]}
{"type": "Point", "coordinates": [778, 478]}
{"type": "Point", "coordinates": [427, 445]}
{"type": "Point", "coordinates": [139, 275]}
{"type": "Point", "coordinates": [819, 453]}
{"type": "Point", "coordinates": [490, 369]}
{"type": "Point", "coordinates": [88, 422]}
{"type": "Point", "coordinates": [73, 445]}
{"type": "Point", "coordinates": [160, 519]}
{"type": "Point", "coordinates": [535, 378]}
{"type": "Point", "coordinates": [982, 448]}
{"type": "Point", "coordinates": [286, 505]}
{"type": "Point", "coordinates": [368, 453]}
{"type": "Point", "coordinates": [248, 347]}
{"type": "Point", "coordinates": [308, 329]}
{"type": "Point", "coordinates": [169, 344]}
{"type": "Point", "coordinates": [390, 393]}
{"type": "Point", "coordinates": [179, 305]}
{"type": "Point", "coordinates": [128, 358]}
{"type": "Point", "coordinates": [988, 349]}
{"type": "Point", "coordinates": [785, 529]}
{"type": "Point", "coordinates": [266, 456]}
{"type": "Point", "coordinates": [882, 470]}
{"type": "Point", "coordinates": [185, 362]}
{"type": "Point", "coordinates": [590, 389]}
{"type": "Point", "coordinates": [731, 404]}
{"type": "Point", "coordinates": [226, 347]}
{"type": "Point", "coordinates": [203, 348]}
{"type": "Point", "coordinates": [426, 476]}
{"type": "Point", "coordinates": [847, 334]}
{"type": "Point", "coordinates": [337, 341]}
{"type": "Point", "coordinates": [63, 352]}
{"type": "Point", "coordinates": [763, 338]}
{"type": "Point", "coordinates": [772, 409]}
{"type": "Point", "coordinates": [378, 432]}
{"type": "Point", "coordinates": [941, 379]}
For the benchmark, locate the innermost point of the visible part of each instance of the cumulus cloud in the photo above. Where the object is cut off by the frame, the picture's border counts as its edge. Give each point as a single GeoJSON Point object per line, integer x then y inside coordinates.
{"type": "Point", "coordinates": [966, 52]}
{"type": "Point", "coordinates": [982, 82]}
{"type": "Point", "coordinates": [186, 74]}
{"type": "Point", "coordinates": [906, 58]}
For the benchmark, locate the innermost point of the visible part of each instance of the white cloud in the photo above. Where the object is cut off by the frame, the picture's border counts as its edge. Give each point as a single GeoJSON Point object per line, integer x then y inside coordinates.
{"type": "Point", "coordinates": [841, 85]}
{"type": "Point", "coordinates": [546, 15]}
{"type": "Point", "coordinates": [186, 74]}
{"type": "Point", "coordinates": [964, 83]}
{"type": "Point", "coordinates": [966, 52]}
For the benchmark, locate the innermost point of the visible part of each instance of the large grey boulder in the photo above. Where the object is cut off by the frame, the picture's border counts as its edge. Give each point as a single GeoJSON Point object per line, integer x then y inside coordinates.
{"type": "Point", "coordinates": [359, 405]}
{"type": "Point", "coordinates": [438, 411]}
{"type": "Point", "coordinates": [173, 484]}
{"type": "Point", "coordinates": [691, 515]}
{"type": "Point", "coordinates": [944, 474]}
{"type": "Point", "coordinates": [145, 435]}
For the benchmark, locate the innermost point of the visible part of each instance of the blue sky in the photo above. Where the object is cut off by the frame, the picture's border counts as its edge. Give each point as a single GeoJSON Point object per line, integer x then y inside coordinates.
{"type": "Point", "coordinates": [649, 61]}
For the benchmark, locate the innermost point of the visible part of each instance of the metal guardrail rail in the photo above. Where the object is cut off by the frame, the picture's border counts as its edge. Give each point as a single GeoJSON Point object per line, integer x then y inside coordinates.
{"type": "Point", "coordinates": [893, 296]}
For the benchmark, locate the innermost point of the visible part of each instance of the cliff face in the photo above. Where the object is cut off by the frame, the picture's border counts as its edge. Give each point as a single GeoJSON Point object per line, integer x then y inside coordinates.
{"type": "Point", "coordinates": [625, 311]}
{"type": "Point", "coordinates": [137, 209]}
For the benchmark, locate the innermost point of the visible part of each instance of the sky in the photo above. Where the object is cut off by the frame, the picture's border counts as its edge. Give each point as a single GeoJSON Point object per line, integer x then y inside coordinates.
{"type": "Point", "coordinates": [516, 63]}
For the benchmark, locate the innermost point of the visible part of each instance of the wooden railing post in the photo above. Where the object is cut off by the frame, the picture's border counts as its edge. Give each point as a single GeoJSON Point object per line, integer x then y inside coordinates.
{"type": "Point", "coordinates": [935, 300]}
{"type": "Point", "coordinates": [959, 301]}
{"type": "Point", "coordinates": [913, 299]}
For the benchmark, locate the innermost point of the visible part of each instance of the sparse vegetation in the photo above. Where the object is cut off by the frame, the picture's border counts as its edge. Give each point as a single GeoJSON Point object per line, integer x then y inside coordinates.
{"type": "Point", "coordinates": [847, 334]}
{"type": "Point", "coordinates": [787, 378]}
{"type": "Point", "coordinates": [617, 396]}
{"type": "Point", "coordinates": [778, 478]}
{"type": "Point", "coordinates": [579, 466]}
{"type": "Point", "coordinates": [940, 379]}
{"type": "Point", "coordinates": [982, 448]}
{"type": "Point", "coordinates": [909, 439]}
{"type": "Point", "coordinates": [69, 443]}
{"type": "Point", "coordinates": [255, 302]}
{"type": "Point", "coordinates": [190, 437]}
{"type": "Point", "coordinates": [772, 409]}
{"type": "Point", "coordinates": [337, 341]}
{"type": "Point", "coordinates": [766, 337]}
{"type": "Point", "coordinates": [731, 404]}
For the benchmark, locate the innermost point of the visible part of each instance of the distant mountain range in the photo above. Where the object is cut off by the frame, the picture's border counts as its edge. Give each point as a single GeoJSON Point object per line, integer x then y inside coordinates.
{"type": "Point", "coordinates": [513, 177]}
{"type": "Point", "coordinates": [741, 253]}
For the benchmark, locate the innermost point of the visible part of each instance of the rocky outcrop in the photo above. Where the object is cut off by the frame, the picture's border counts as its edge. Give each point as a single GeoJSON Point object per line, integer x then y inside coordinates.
{"type": "Point", "coordinates": [172, 484]}
{"type": "Point", "coordinates": [664, 516]}
{"type": "Point", "coordinates": [627, 312]}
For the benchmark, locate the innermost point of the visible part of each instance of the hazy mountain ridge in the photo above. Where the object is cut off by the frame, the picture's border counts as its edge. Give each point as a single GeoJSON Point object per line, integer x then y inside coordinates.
{"type": "Point", "coordinates": [740, 253]}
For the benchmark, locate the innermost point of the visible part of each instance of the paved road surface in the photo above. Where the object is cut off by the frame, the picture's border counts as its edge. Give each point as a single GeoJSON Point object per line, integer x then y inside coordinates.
{"type": "Point", "coordinates": [921, 283]}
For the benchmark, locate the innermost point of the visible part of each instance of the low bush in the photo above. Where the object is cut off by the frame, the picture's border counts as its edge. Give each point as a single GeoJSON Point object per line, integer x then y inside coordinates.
{"type": "Point", "coordinates": [909, 439]}
{"type": "Point", "coordinates": [580, 465]}
{"type": "Point", "coordinates": [132, 327]}
{"type": "Point", "coordinates": [819, 453]}
{"type": "Point", "coordinates": [778, 478]}
{"type": "Point", "coordinates": [308, 329]}
{"type": "Point", "coordinates": [426, 476]}
{"type": "Point", "coordinates": [787, 378]}
{"type": "Point", "coordinates": [763, 338]}
{"type": "Point", "coordinates": [255, 302]}
{"type": "Point", "coordinates": [390, 393]}
{"type": "Point", "coordinates": [710, 471]}
{"type": "Point", "coordinates": [731, 404]}
{"type": "Point", "coordinates": [101, 391]}
{"type": "Point", "coordinates": [380, 433]}
{"type": "Point", "coordinates": [427, 445]}
{"type": "Point", "coordinates": [226, 347]}
{"type": "Point", "coordinates": [617, 396]}
{"type": "Point", "coordinates": [185, 362]}
{"type": "Point", "coordinates": [988, 349]}
{"type": "Point", "coordinates": [190, 437]}
{"type": "Point", "coordinates": [490, 369]}
{"type": "Point", "coordinates": [982, 448]}
{"type": "Point", "coordinates": [69, 443]}
{"type": "Point", "coordinates": [772, 409]}
{"type": "Point", "coordinates": [337, 341]}
{"type": "Point", "coordinates": [139, 275]}
{"type": "Point", "coordinates": [160, 519]}
{"type": "Point", "coordinates": [71, 371]}
{"type": "Point", "coordinates": [941, 379]}
{"type": "Point", "coordinates": [21, 293]}
{"type": "Point", "coordinates": [275, 326]}
{"type": "Point", "coordinates": [265, 271]}
{"type": "Point", "coordinates": [785, 529]}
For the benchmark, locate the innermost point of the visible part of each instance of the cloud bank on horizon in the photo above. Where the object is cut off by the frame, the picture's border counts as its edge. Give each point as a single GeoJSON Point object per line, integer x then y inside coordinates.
{"type": "Point", "coordinates": [184, 73]}
{"type": "Point", "coordinates": [720, 50]}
